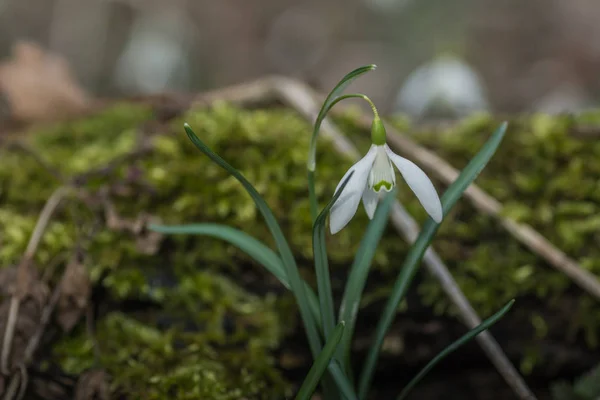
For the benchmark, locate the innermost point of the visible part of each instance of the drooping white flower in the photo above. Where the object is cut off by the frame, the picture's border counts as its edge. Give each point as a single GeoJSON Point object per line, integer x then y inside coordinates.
{"type": "Point", "coordinates": [444, 85]}
{"type": "Point", "coordinates": [374, 174]}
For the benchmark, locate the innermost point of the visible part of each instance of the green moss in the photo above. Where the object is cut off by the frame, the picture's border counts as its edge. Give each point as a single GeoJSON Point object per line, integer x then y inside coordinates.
{"type": "Point", "coordinates": [225, 357]}
{"type": "Point", "coordinates": [545, 177]}
{"type": "Point", "coordinates": [542, 175]}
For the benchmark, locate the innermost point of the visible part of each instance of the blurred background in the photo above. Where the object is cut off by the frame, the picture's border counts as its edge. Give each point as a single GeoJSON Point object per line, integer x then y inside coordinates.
{"type": "Point", "coordinates": [433, 56]}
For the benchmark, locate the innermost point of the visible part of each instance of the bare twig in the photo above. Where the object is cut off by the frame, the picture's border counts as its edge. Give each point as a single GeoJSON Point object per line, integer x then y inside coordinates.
{"type": "Point", "coordinates": [23, 277]}
{"type": "Point", "coordinates": [18, 384]}
{"type": "Point", "coordinates": [260, 90]}
{"type": "Point", "coordinates": [43, 220]}
{"type": "Point", "coordinates": [9, 331]}
{"type": "Point", "coordinates": [34, 341]}
{"type": "Point", "coordinates": [12, 389]}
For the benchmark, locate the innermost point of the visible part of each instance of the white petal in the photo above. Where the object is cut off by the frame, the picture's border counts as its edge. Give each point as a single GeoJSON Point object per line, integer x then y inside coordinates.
{"type": "Point", "coordinates": [419, 183]}
{"type": "Point", "coordinates": [345, 207]}
{"type": "Point", "coordinates": [370, 199]}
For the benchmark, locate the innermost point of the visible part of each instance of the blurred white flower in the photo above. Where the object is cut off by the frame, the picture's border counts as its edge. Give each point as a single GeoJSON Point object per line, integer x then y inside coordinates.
{"type": "Point", "coordinates": [155, 57]}
{"type": "Point", "coordinates": [446, 84]}
{"type": "Point", "coordinates": [385, 6]}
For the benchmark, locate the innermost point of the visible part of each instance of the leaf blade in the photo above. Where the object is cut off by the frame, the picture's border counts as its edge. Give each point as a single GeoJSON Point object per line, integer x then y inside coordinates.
{"type": "Point", "coordinates": [257, 250]}
{"type": "Point", "coordinates": [357, 277]}
{"type": "Point", "coordinates": [320, 365]}
{"type": "Point", "coordinates": [454, 346]}
{"type": "Point", "coordinates": [283, 247]}
{"type": "Point", "coordinates": [254, 248]}
{"type": "Point", "coordinates": [417, 250]}
{"type": "Point", "coordinates": [321, 262]}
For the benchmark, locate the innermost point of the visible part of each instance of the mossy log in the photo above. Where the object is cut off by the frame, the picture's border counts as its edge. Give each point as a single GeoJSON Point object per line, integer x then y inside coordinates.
{"type": "Point", "coordinates": [188, 317]}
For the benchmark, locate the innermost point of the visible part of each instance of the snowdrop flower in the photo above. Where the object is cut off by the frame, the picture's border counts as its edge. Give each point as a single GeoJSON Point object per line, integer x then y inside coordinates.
{"type": "Point", "coordinates": [447, 84]}
{"type": "Point", "coordinates": [373, 175]}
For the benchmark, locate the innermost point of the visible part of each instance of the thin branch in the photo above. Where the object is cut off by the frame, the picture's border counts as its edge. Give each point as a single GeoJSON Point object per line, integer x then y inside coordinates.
{"type": "Point", "coordinates": [23, 277]}
{"type": "Point", "coordinates": [258, 91]}
{"type": "Point", "coordinates": [11, 322]}
{"type": "Point", "coordinates": [23, 382]}
{"type": "Point", "coordinates": [13, 388]}
{"type": "Point", "coordinates": [34, 341]}
{"type": "Point", "coordinates": [43, 220]}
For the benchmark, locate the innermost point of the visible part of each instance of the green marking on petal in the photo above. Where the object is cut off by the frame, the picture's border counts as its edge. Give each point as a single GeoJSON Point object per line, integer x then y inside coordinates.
{"type": "Point", "coordinates": [379, 185]}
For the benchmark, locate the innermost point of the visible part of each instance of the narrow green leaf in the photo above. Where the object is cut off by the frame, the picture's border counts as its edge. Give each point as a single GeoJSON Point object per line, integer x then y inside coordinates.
{"type": "Point", "coordinates": [343, 383]}
{"type": "Point", "coordinates": [262, 254]}
{"type": "Point", "coordinates": [358, 276]}
{"type": "Point", "coordinates": [322, 264]}
{"type": "Point", "coordinates": [320, 365]}
{"type": "Point", "coordinates": [329, 102]}
{"type": "Point", "coordinates": [463, 340]}
{"type": "Point", "coordinates": [417, 250]}
{"type": "Point", "coordinates": [248, 244]}
{"type": "Point", "coordinates": [310, 324]}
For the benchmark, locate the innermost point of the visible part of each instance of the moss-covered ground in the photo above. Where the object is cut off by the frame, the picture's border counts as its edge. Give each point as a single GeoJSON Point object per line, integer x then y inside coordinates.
{"type": "Point", "coordinates": [215, 320]}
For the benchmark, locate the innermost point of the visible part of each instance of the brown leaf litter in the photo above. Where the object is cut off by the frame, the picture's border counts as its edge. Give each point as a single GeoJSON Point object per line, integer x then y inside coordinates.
{"type": "Point", "coordinates": [39, 86]}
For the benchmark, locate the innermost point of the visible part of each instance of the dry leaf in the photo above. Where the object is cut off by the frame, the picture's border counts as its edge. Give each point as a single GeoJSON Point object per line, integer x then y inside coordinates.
{"type": "Point", "coordinates": [39, 86]}
{"type": "Point", "coordinates": [147, 242]}
{"type": "Point", "coordinates": [74, 295]}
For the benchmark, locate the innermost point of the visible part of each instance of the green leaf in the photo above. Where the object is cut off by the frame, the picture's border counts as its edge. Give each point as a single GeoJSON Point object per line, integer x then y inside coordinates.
{"type": "Point", "coordinates": [417, 250]}
{"type": "Point", "coordinates": [320, 365]}
{"type": "Point", "coordinates": [454, 346]}
{"type": "Point", "coordinates": [340, 378]}
{"type": "Point", "coordinates": [322, 265]}
{"type": "Point", "coordinates": [248, 244]}
{"type": "Point", "coordinates": [358, 276]}
{"type": "Point", "coordinates": [262, 254]}
{"type": "Point", "coordinates": [329, 102]}
{"type": "Point", "coordinates": [287, 257]}
{"type": "Point", "coordinates": [588, 386]}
